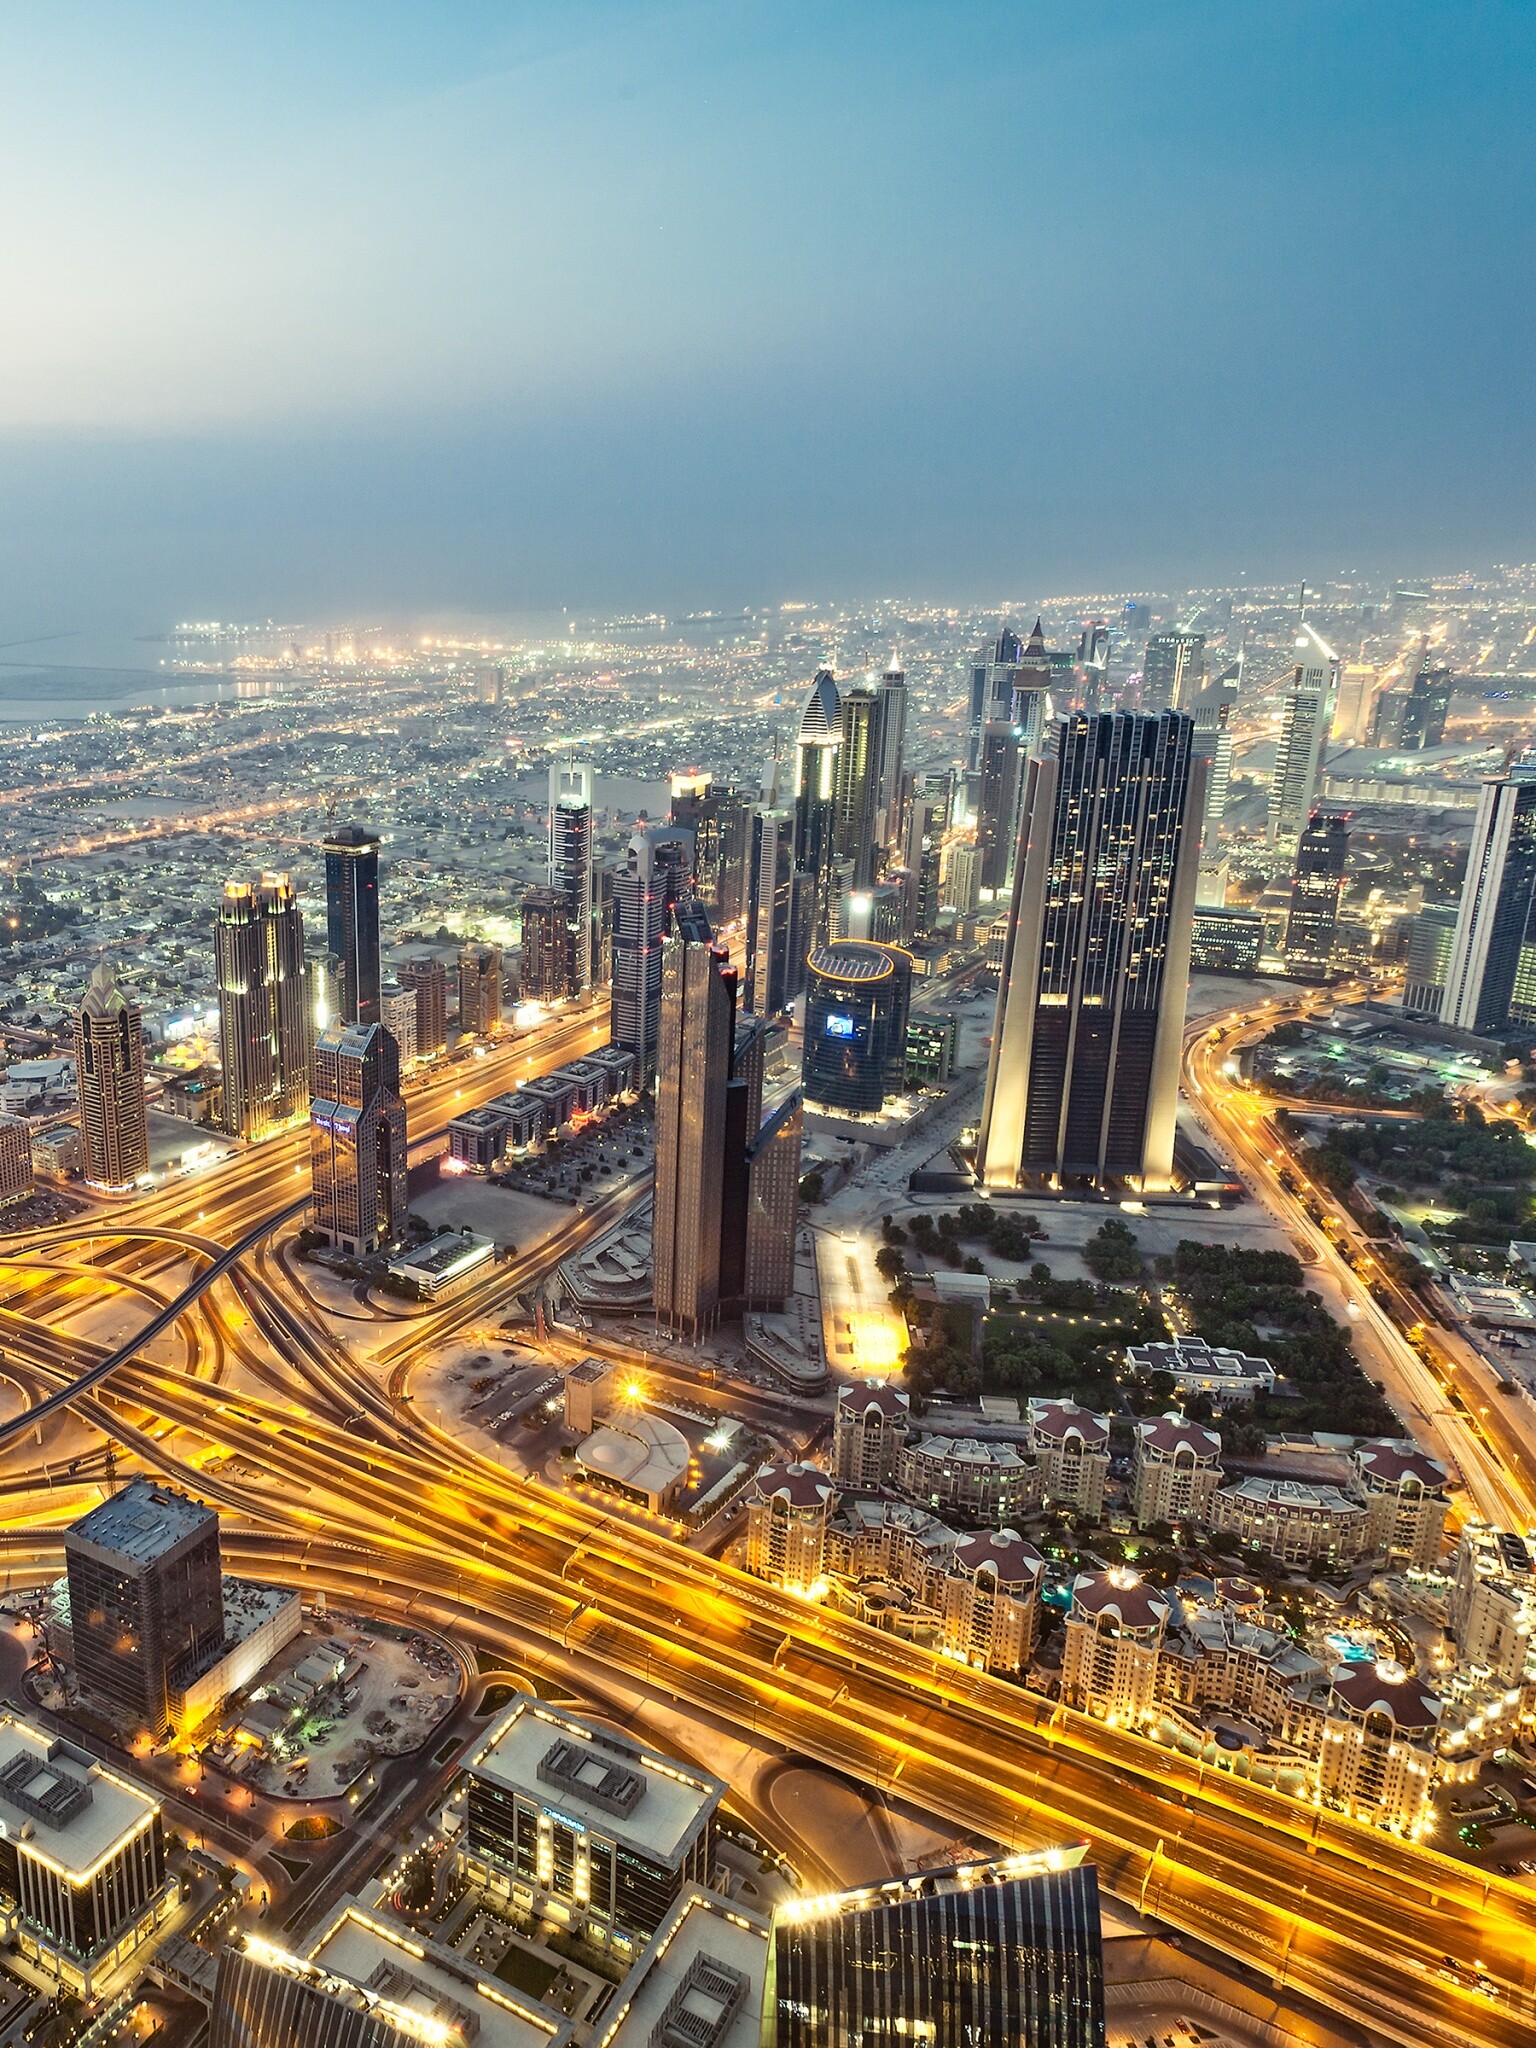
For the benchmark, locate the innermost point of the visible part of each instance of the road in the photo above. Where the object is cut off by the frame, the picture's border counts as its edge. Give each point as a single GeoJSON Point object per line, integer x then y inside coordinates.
{"type": "Point", "coordinates": [338, 1486]}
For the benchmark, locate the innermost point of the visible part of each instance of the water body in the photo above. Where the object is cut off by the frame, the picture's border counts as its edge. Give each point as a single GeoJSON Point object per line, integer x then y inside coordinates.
{"type": "Point", "coordinates": [70, 676]}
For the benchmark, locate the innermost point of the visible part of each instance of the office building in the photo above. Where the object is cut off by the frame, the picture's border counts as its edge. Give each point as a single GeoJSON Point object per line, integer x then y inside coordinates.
{"type": "Point", "coordinates": [773, 1207]}
{"type": "Point", "coordinates": [83, 1883]}
{"type": "Point", "coordinates": [1173, 670]}
{"type": "Point", "coordinates": [1225, 941]}
{"type": "Point", "coordinates": [555, 1810]}
{"type": "Point", "coordinates": [1317, 883]}
{"type": "Point", "coordinates": [856, 1001]}
{"type": "Point", "coordinates": [997, 806]}
{"type": "Point", "coordinates": [698, 1021]}
{"type": "Point", "coordinates": [1227, 1378]}
{"type": "Point", "coordinates": [993, 676]}
{"type": "Point", "coordinates": [479, 991]}
{"type": "Point", "coordinates": [876, 913]}
{"type": "Point", "coordinates": [145, 1600]}
{"type": "Point", "coordinates": [1307, 715]}
{"type": "Point", "coordinates": [1354, 714]}
{"type": "Point", "coordinates": [357, 1148]}
{"type": "Point", "coordinates": [1212, 715]}
{"type": "Point", "coordinates": [1426, 708]}
{"type": "Point", "coordinates": [1007, 1954]}
{"type": "Point", "coordinates": [1430, 943]}
{"type": "Point", "coordinates": [550, 967]}
{"type": "Point", "coordinates": [264, 1025]}
{"type": "Point", "coordinates": [15, 1159]}
{"type": "Point", "coordinates": [1082, 1081]}
{"type": "Point", "coordinates": [735, 812]}
{"type": "Point", "coordinates": [352, 921]}
{"type": "Point", "coordinates": [860, 758]}
{"type": "Point", "coordinates": [775, 956]}
{"type": "Point", "coordinates": [397, 1008]}
{"type": "Point", "coordinates": [653, 880]}
{"type": "Point", "coordinates": [427, 978]}
{"type": "Point", "coordinates": [893, 732]}
{"type": "Point", "coordinates": [572, 867]}
{"type": "Point", "coordinates": [1030, 708]}
{"type": "Point", "coordinates": [1495, 910]}
{"type": "Point", "coordinates": [818, 745]}
{"type": "Point", "coordinates": [927, 822]}
{"type": "Point", "coordinates": [109, 1063]}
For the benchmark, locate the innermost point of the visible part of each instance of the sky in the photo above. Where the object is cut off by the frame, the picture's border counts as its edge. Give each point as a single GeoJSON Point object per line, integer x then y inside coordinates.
{"type": "Point", "coordinates": [370, 309]}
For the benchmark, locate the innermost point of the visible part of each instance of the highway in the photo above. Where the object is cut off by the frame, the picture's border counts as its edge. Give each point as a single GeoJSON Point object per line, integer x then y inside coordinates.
{"type": "Point", "coordinates": [337, 1484]}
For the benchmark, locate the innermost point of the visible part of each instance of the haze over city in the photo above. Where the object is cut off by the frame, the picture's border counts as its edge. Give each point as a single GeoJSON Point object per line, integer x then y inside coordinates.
{"type": "Point", "coordinates": [767, 1026]}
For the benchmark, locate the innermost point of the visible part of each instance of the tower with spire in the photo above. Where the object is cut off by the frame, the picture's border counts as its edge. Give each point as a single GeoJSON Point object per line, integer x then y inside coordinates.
{"type": "Point", "coordinates": [109, 1060]}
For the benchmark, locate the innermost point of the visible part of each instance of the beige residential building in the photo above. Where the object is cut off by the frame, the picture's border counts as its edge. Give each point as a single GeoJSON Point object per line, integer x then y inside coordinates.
{"type": "Point", "coordinates": [988, 1600]}
{"type": "Point", "coordinates": [1405, 1501]}
{"type": "Point", "coordinates": [787, 1521]}
{"type": "Point", "coordinates": [1177, 1471]}
{"type": "Point", "coordinates": [1378, 1754]}
{"type": "Point", "coordinates": [1115, 1630]}
{"type": "Point", "coordinates": [1492, 1608]}
{"type": "Point", "coordinates": [1295, 1521]}
{"type": "Point", "coordinates": [870, 1433]}
{"type": "Point", "coordinates": [1072, 1445]}
{"type": "Point", "coordinates": [987, 1482]}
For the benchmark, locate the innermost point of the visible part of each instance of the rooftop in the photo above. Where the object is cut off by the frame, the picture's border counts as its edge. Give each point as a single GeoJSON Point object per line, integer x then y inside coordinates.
{"type": "Point", "coordinates": [699, 1982]}
{"type": "Point", "coordinates": [143, 1522]}
{"type": "Point", "coordinates": [661, 1822]}
{"type": "Point", "coordinates": [68, 1809]}
{"type": "Point", "coordinates": [640, 1451]}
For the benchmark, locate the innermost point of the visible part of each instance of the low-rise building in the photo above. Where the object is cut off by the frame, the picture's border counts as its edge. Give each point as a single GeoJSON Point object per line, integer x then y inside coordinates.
{"type": "Point", "coordinates": [639, 1456]}
{"type": "Point", "coordinates": [1072, 1445]}
{"type": "Point", "coordinates": [701, 1982]}
{"type": "Point", "coordinates": [1176, 1473]}
{"type": "Point", "coordinates": [444, 1265]}
{"type": "Point", "coordinates": [1295, 1521]}
{"type": "Point", "coordinates": [1230, 1379]}
{"type": "Point", "coordinates": [478, 1138]}
{"type": "Point", "coordinates": [1405, 1495]}
{"type": "Point", "coordinates": [986, 1482]}
{"type": "Point", "coordinates": [551, 1808]}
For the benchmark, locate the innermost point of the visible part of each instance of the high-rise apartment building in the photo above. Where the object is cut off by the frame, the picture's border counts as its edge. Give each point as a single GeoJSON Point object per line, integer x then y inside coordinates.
{"type": "Point", "coordinates": [357, 1139]}
{"type": "Point", "coordinates": [550, 970]}
{"type": "Point", "coordinates": [1355, 710]}
{"type": "Point", "coordinates": [352, 921]}
{"type": "Point", "coordinates": [893, 735]}
{"type": "Point", "coordinates": [653, 879]}
{"type": "Point", "coordinates": [1495, 912]}
{"type": "Point", "coordinates": [775, 957]}
{"type": "Point", "coordinates": [397, 1007]}
{"type": "Point", "coordinates": [146, 1600]}
{"type": "Point", "coordinates": [1173, 671]}
{"type": "Point", "coordinates": [1212, 714]}
{"type": "Point", "coordinates": [109, 1068]}
{"type": "Point", "coordinates": [264, 1025]}
{"type": "Point", "coordinates": [427, 978]}
{"type": "Point", "coordinates": [479, 990]}
{"type": "Point", "coordinates": [1429, 958]}
{"type": "Point", "coordinates": [571, 864]}
{"type": "Point", "coordinates": [698, 1025]}
{"type": "Point", "coordinates": [1009, 1954]}
{"type": "Point", "coordinates": [993, 674]}
{"type": "Point", "coordinates": [927, 822]}
{"type": "Point", "coordinates": [817, 747]}
{"type": "Point", "coordinates": [735, 813]}
{"type": "Point", "coordinates": [15, 1159]}
{"type": "Point", "coordinates": [1305, 722]}
{"type": "Point", "coordinates": [859, 758]}
{"type": "Point", "coordinates": [1317, 883]}
{"type": "Point", "coordinates": [1083, 1075]}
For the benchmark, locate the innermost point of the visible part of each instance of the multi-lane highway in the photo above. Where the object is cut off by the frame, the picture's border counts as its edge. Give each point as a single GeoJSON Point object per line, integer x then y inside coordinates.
{"type": "Point", "coordinates": [335, 1483]}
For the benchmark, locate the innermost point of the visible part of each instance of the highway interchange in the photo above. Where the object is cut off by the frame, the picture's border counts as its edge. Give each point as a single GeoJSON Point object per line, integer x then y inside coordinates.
{"type": "Point", "coordinates": [331, 1480]}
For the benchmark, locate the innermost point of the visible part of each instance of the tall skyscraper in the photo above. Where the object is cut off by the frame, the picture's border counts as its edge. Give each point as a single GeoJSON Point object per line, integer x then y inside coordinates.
{"type": "Point", "coordinates": [109, 1067]}
{"type": "Point", "coordinates": [1007, 1954]}
{"type": "Point", "coordinates": [1427, 708]}
{"type": "Point", "coordinates": [1354, 712]}
{"type": "Point", "coordinates": [146, 1601]}
{"type": "Point", "coordinates": [993, 675]}
{"type": "Point", "coordinates": [817, 747]}
{"type": "Point", "coordinates": [734, 814]}
{"type": "Point", "coordinates": [1317, 882]}
{"type": "Point", "coordinates": [428, 978]}
{"type": "Point", "coordinates": [654, 878]}
{"type": "Point", "coordinates": [1429, 959]}
{"type": "Point", "coordinates": [1212, 714]}
{"type": "Point", "coordinates": [775, 958]}
{"type": "Point", "coordinates": [1173, 672]}
{"type": "Point", "coordinates": [264, 1026]}
{"type": "Point", "coordinates": [857, 997]}
{"type": "Point", "coordinates": [1305, 722]}
{"type": "Point", "coordinates": [1093, 666]}
{"type": "Point", "coordinates": [773, 1207]}
{"type": "Point", "coordinates": [858, 784]}
{"type": "Point", "coordinates": [1494, 919]}
{"type": "Point", "coordinates": [1030, 703]}
{"type": "Point", "coordinates": [352, 920]}
{"type": "Point", "coordinates": [1083, 1076]}
{"type": "Point", "coordinates": [549, 967]}
{"type": "Point", "coordinates": [357, 1139]}
{"type": "Point", "coordinates": [893, 739]}
{"type": "Point", "coordinates": [571, 862]}
{"type": "Point", "coordinates": [693, 1074]}
{"type": "Point", "coordinates": [997, 804]}
{"type": "Point", "coordinates": [480, 990]}
{"type": "Point", "coordinates": [927, 821]}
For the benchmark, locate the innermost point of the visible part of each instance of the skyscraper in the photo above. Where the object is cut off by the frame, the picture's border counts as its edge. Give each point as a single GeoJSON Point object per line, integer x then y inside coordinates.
{"type": "Point", "coordinates": [357, 1139]}
{"type": "Point", "coordinates": [927, 821]}
{"type": "Point", "coordinates": [698, 1022]}
{"type": "Point", "coordinates": [428, 977]}
{"type": "Point", "coordinates": [1006, 1954]}
{"type": "Point", "coordinates": [1212, 715]}
{"type": "Point", "coordinates": [1495, 914]}
{"type": "Point", "coordinates": [1083, 1075]}
{"type": "Point", "coordinates": [352, 920]}
{"type": "Point", "coordinates": [1427, 708]}
{"type": "Point", "coordinates": [1173, 672]}
{"type": "Point", "coordinates": [1029, 705]}
{"type": "Point", "coordinates": [109, 1066]}
{"type": "Point", "coordinates": [859, 761]}
{"type": "Point", "coordinates": [856, 1002]}
{"type": "Point", "coordinates": [773, 1206]}
{"type": "Point", "coordinates": [1305, 722]}
{"type": "Point", "coordinates": [997, 804]}
{"type": "Point", "coordinates": [893, 736]}
{"type": "Point", "coordinates": [264, 1026]}
{"type": "Point", "coordinates": [775, 957]}
{"type": "Point", "coordinates": [1429, 959]}
{"type": "Point", "coordinates": [1317, 882]}
{"type": "Point", "coordinates": [146, 1601]}
{"type": "Point", "coordinates": [571, 863]}
{"type": "Point", "coordinates": [654, 878]}
{"type": "Point", "coordinates": [1354, 712]}
{"type": "Point", "coordinates": [549, 967]}
{"type": "Point", "coordinates": [993, 675]}
{"type": "Point", "coordinates": [480, 990]}
{"type": "Point", "coordinates": [817, 747]}
{"type": "Point", "coordinates": [734, 813]}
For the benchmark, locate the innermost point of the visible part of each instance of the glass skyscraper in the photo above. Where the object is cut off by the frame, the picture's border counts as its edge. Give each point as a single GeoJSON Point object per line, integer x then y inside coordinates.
{"type": "Point", "coordinates": [264, 1025]}
{"type": "Point", "coordinates": [998, 1955]}
{"type": "Point", "coordinates": [1316, 885]}
{"type": "Point", "coordinates": [352, 921]}
{"type": "Point", "coordinates": [1496, 903]}
{"type": "Point", "coordinates": [1083, 1076]}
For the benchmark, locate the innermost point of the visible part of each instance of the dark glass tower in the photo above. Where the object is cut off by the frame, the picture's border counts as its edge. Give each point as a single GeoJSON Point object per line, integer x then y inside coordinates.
{"type": "Point", "coordinates": [1497, 901]}
{"type": "Point", "coordinates": [1427, 708]}
{"type": "Point", "coordinates": [1083, 1077]}
{"type": "Point", "coordinates": [653, 879]}
{"type": "Point", "coordinates": [357, 1139]}
{"type": "Point", "coordinates": [1316, 886]}
{"type": "Point", "coordinates": [856, 1002]}
{"type": "Point", "coordinates": [975, 1957]}
{"type": "Point", "coordinates": [693, 1077]}
{"type": "Point", "coordinates": [352, 921]}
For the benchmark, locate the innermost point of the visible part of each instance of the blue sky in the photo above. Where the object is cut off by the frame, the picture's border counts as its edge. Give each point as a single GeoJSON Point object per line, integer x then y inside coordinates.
{"type": "Point", "coordinates": [402, 309]}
